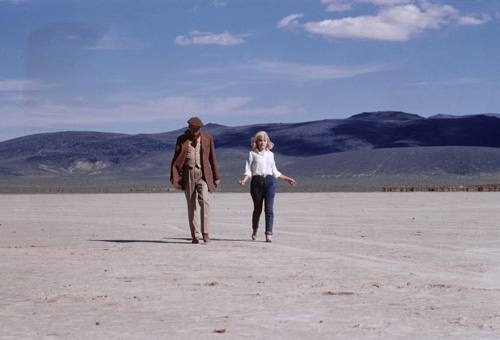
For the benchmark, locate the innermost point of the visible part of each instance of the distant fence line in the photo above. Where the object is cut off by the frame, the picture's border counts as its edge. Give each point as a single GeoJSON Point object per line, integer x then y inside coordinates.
{"type": "Point", "coordinates": [480, 188]}
{"type": "Point", "coordinates": [490, 187]}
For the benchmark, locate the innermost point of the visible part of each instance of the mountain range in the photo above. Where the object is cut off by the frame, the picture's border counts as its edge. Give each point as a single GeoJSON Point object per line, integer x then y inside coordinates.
{"type": "Point", "coordinates": [367, 151]}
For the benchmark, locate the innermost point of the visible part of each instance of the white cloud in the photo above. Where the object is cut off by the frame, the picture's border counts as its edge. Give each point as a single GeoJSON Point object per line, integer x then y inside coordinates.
{"type": "Point", "coordinates": [112, 40]}
{"type": "Point", "coordinates": [387, 2]}
{"type": "Point", "coordinates": [18, 85]}
{"type": "Point", "coordinates": [348, 5]}
{"type": "Point", "coordinates": [160, 109]}
{"type": "Point", "coordinates": [397, 23]}
{"type": "Point", "coordinates": [218, 4]}
{"type": "Point", "coordinates": [182, 105]}
{"type": "Point", "coordinates": [209, 38]}
{"type": "Point", "coordinates": [15, 2]}
{"type": "Point", "coordinates": [305, 72]}
{"type": "Point", "coordinates": [451, 82]}
{"type": "Point", "coordinates": [264, 70]}
{"type": "Point", "coordinates": [338, 5]}
{"type": "Point", "coordinates": [470, 20]}
{"type": "Point", "coordinates": [396, 20]}
{"type": "Point", "coordinates": [290, 21]}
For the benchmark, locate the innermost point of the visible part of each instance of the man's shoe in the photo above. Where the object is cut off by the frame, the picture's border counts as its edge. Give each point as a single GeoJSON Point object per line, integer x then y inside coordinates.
{"type": "Point", "coordinates": [269, 238]}
{"type": "Point", "coordinates": [195, 240]}
{"type": "Point", "coordinates": [206, 239]}
{"type": "Point", "coordinates": [254, 234]}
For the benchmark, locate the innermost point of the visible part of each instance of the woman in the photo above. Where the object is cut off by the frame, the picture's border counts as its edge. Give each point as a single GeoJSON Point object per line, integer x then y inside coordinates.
{"type": "Point", "coordinates": [261, 167]}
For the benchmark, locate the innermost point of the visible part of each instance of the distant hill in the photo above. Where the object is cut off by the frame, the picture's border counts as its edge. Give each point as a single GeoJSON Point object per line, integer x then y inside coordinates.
{"type": "Point", "coordinates": [445, 116]}
{"type": "Point", "coordinates": [364, 152]}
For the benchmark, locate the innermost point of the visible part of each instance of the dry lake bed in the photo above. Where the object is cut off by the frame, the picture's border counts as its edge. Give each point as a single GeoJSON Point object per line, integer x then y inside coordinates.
{"type": "Point", "coordinates": [342, 266]}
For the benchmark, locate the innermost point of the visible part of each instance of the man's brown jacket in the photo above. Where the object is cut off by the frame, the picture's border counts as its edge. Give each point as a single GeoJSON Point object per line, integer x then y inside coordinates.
{"type": "Point", "coordinates": [207, 155]}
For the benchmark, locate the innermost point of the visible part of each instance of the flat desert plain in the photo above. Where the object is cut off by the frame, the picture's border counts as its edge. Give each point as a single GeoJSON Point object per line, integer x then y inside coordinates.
{"type": "Point", "coordinates": [342, 266]}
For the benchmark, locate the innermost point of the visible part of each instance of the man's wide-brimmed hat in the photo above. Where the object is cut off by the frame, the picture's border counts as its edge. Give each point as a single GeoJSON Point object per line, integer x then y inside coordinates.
{"type": "Point", "coordinates": [195, 122]}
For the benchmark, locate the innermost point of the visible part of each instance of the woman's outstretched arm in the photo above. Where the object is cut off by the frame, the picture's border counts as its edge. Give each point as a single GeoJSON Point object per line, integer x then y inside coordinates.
{"type": "Point", "coordinates": [288, 179]}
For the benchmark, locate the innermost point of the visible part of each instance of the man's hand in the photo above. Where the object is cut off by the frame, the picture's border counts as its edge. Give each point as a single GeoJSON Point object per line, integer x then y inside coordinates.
{"type": "Point", "coordinates": [216, 183]}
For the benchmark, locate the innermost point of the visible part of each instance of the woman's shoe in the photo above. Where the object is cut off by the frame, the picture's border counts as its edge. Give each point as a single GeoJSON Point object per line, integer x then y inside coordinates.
{"type": "Point", "coordinates": [269, 238]}
{"type": "Point", "coordinates": [254, 234]}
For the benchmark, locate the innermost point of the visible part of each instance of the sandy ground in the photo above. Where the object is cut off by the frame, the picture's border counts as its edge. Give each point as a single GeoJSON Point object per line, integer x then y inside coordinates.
{"type": "Point", "coordinates": [342, 266]}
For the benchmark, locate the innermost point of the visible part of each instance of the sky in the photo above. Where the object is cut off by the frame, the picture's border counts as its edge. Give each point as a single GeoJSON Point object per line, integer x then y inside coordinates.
{"type": "Point", "coordinates": [128, 66]}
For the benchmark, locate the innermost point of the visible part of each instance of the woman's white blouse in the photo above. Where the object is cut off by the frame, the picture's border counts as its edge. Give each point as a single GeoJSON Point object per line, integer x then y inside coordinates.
{"type": "Point", "coordinates": [261, 163]}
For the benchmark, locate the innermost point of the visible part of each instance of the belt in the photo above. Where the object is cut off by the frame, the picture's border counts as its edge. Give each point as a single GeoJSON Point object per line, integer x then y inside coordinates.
{"type": "Point", "coordinates": [261, 176]}
{"type": "Point", "coordinates": [190, 168]}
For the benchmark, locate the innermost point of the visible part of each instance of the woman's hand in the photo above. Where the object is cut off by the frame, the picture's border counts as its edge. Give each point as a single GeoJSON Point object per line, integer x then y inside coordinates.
{"type": "Point", "coordinates": [244, 180]}
{"type": "Point", "coordinates": [291, 181]}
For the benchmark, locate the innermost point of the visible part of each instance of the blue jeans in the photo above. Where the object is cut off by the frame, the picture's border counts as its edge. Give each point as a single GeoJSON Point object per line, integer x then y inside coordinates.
{"type": "Point", "coordinates": [263, 191]}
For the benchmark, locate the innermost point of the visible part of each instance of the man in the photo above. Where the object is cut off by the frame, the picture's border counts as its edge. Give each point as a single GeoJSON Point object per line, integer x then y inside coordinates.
{"type": "Point", "coordinates": [193, 169]}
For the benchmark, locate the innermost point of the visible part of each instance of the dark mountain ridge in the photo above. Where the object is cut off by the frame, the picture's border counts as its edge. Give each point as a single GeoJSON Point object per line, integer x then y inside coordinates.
{"type": "Point", "coordinates": [368, 131]}
{"type": "Point", "coordinates": [135, 160]}
{"type": "Point", "coordinates": [387, 115]}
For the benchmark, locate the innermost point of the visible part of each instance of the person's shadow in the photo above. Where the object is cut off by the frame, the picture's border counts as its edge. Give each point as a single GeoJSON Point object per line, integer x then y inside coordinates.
{"type": "Point", "coordinates": [172, 240]}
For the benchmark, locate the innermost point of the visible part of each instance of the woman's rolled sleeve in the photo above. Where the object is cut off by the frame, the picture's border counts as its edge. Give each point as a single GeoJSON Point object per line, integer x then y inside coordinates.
{"type": "Point", "coordinates": [248, 170]}
{"type": "Point", "coordinates": [276, 173]}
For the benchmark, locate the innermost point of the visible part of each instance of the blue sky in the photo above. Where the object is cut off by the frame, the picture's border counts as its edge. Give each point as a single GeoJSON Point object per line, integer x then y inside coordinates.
{"type": "Point", "coordinates": [147, 66]}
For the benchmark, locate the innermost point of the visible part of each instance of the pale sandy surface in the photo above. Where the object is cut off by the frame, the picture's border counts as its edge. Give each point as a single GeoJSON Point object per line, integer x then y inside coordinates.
{"type": "Point", "coordinates": [342, 266]}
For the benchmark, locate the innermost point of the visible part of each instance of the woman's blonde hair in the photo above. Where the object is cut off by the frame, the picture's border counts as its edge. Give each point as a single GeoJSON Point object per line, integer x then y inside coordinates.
{"type": "Point", "coordinates": [262, 135]}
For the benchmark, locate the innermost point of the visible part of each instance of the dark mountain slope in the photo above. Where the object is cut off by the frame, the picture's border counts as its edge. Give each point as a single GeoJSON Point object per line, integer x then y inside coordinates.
{"type": "Point", "coordinates": [386, 116]}
{"type": "Point", "coordinates": [368, 131]}
{"type": "Point", "coordinates": [348, 149]}
{"type": "Point", "coordinates": [396, 167]}
{"type": "Point", "coordinates": [347, 171]}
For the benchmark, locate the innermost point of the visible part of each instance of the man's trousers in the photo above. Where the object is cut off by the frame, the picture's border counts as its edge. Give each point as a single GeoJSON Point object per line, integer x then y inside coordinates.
{"type": "Point", "coordinates": [196, 189]}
